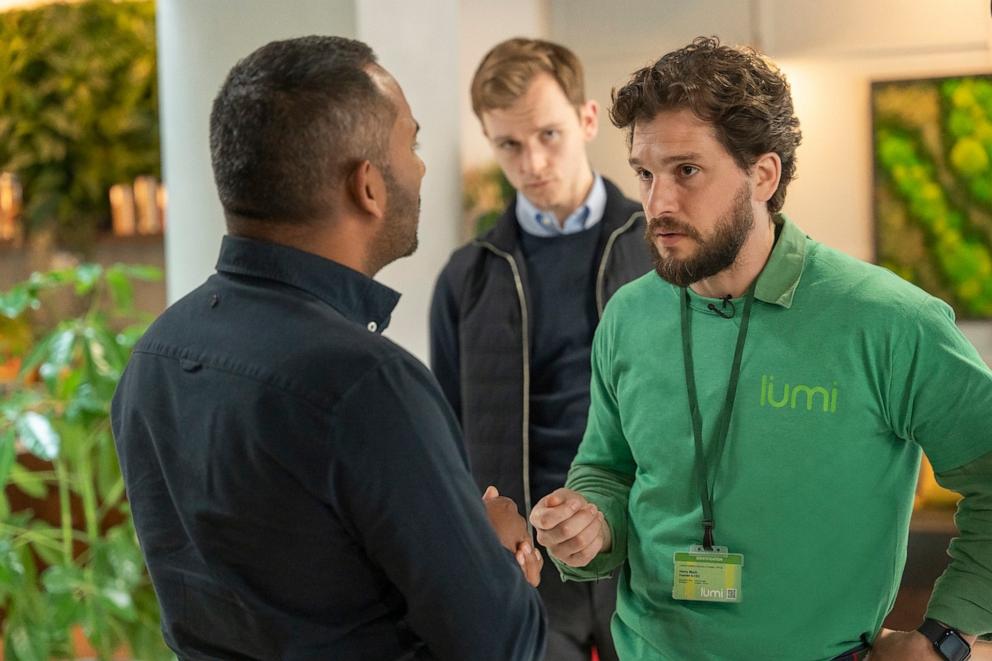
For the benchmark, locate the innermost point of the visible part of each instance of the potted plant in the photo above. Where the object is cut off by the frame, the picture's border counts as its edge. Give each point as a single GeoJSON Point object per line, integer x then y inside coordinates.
{"type": "Point", "coordinates": [70, 565]}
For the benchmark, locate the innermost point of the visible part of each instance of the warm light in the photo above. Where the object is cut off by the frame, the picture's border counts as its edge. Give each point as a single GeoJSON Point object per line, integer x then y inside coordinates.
{"type": "Point", "coordinates": [122, 209]}
{"type": "Point", "coordinates": [10, 206]}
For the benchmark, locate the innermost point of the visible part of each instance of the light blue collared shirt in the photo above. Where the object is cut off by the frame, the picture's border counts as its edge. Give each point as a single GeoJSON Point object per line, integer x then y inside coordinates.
{"type": "Point", "coordinates": [544, 223]}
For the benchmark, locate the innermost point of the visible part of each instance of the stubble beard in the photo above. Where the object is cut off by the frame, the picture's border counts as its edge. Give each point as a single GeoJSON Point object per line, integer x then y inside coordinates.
{"type": "Point", "coordinates": [714, 254]}
{"type": "Point", "coordinates": [398, 237]}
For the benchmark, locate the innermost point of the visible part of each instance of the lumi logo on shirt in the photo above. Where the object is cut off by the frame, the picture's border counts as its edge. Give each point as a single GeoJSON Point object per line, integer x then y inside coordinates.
{"type": "Point", "coordinates": [798, 396]}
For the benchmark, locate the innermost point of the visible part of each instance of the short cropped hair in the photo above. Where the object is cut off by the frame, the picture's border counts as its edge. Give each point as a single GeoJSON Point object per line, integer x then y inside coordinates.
{"type": "Point", "coordinates": [744, 96]}
{"type": "Point", "coordinates": [290, 122]}
{"type": "Point", "coordinates": [507, 70]}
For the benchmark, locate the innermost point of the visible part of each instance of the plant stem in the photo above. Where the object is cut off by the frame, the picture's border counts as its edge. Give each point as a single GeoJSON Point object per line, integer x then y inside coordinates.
{"type": "Point", "coordinates": [88, 492]}
{"type": "Point", "coordinates": [65, 506]}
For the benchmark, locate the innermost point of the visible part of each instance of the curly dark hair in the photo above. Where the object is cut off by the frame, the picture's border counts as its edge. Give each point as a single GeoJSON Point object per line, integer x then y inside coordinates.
{"type": "Point", "coordinates": [744, 96]}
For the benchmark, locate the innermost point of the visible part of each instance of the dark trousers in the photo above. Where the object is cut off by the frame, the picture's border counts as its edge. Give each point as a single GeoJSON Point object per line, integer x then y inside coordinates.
{"type": "Point", "coordinates": [578, 616]}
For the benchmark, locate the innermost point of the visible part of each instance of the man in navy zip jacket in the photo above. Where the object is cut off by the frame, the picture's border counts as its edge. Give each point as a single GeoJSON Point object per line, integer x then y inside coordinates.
{"type": "Point", "coordinates": [296, 479]}
{"type": "Point", "coordinates": [513, 312]}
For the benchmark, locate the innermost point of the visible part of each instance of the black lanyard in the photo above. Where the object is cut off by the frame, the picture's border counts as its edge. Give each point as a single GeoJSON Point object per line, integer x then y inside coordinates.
{"type": "Point", "coordinates": [723, 423]}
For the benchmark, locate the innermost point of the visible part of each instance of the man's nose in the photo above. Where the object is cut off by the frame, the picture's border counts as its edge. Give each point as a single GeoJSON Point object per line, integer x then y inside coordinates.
{"type": "Point", "coordinates": [659, 199]}
{"type": "Point", "coordinates": [534, 161]}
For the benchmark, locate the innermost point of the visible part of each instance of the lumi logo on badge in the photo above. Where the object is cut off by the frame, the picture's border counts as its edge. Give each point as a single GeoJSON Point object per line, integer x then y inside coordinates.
{"type": "Point", "coordinates": [811, 395]}
{"type": "Point", "coordinates": [708, 576]}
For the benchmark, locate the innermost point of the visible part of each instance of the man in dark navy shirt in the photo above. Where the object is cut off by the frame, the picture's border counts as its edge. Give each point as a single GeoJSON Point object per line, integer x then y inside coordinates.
{"type": "Point", "coordinates": [297, 481]}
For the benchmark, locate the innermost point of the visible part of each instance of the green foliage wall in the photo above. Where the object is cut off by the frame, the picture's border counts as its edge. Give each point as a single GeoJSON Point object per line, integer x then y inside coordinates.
{"type": "Point", "coordinates": [78, 109]}
{"type": "Point", "coordinates": [933, 186]}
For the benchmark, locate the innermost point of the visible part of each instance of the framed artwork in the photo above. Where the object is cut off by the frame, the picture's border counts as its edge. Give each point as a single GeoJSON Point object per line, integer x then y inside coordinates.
{"type": "Point", "coordinates": [932, 146]}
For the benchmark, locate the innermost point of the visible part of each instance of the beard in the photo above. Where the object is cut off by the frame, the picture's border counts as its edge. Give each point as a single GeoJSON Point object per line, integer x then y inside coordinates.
{"type": "Point", "coordinates": [713, 254]}
{"type": "Point", "coordinates": [398, 237]}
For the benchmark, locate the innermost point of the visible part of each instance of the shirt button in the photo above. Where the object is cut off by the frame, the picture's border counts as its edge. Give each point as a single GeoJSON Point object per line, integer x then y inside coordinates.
{"type": "Point", "coordinates": [214, 300]}
{"type": "Point", "coordinates": [189, 365]}
{"type": "Point", "coordinates": [373, 326]}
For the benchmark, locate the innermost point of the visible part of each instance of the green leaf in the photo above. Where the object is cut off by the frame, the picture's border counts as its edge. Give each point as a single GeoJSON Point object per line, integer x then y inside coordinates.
{"type": "Point", "coordinates": [28, 481]}
{"type": "Point", "coordinates": [121, 290]}
{"type": "Point", "coordinates": [7, 455]}
{"type": "Point", "coordinates": [123, 556]}
{"type": "Point", "coordinates": [87, 276]}
{"type": "Point", "coordinates": [128, 337]}
{"type": "Point", "coordinates": [15, 301]}
{"type": "Point", "coordinates": [141, 272]}
{"type": "Point", "coordinates": [110, 484]}
{"type": "Point", "coordinates": [61, 349]}
{"type": "Point", "coordinates": [62, 578]}
{"type": "Point", "coordinates": [66, 610]}
{"type": "Point", "coordinates": [38, 354]}
{"type": "Point", "coordinates": [118, 602]}
{"type": "Point", "coordinates": [38, 436]}
{"type": "Point", "coordinates": [11, 568]}
{"type": "Point", "coordinates": [26, 641]}
{"type": "Point", "coordinates": [86, 401]}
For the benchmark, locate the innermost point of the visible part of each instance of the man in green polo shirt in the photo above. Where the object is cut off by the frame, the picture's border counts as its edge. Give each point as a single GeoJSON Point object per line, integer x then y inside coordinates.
{"type": "Point", "coordinates": [759, 404]}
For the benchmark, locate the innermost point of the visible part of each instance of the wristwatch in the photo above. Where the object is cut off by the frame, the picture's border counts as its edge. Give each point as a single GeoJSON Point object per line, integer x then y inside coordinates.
{"type": "Point", "coordinates": [948, 642]}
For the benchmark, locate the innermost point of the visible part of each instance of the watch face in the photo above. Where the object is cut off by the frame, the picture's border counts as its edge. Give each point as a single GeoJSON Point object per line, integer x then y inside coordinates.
{"type": "Point", "coordinates": [953, 648]}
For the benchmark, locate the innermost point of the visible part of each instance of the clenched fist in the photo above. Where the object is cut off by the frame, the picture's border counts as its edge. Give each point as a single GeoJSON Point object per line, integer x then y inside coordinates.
{"type": "Point", "coordinates": [572, 529]}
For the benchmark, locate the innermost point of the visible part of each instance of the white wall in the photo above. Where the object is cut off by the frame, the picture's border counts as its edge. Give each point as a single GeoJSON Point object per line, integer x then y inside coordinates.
{"type": "Point", "coordinates": [198, 43]}
{"type": "Point", "coordinates": [418, 44]}
{"type": "Point", "coordinates": [481, 25]}
{"type": "Point", "coordinates": [830, 51]}
{"type": "Point", "coordinates": [615, 39]}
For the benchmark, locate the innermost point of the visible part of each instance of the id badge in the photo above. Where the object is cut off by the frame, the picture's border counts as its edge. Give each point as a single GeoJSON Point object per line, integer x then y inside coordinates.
{"type": "Point", "coordinates": [702, 575]}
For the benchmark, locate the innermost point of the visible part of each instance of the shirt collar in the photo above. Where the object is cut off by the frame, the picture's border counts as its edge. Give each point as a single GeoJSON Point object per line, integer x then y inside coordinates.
{"type": "Point", "coordinates": [544, 223]}
{"type": "Point", "coordinates": [779, 279]}
{"type": "Point", "coordinates": [357, 297]}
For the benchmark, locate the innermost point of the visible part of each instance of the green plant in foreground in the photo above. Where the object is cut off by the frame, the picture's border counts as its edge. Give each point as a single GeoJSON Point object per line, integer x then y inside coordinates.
{"type": "Point", "coordinates": [84, 570]}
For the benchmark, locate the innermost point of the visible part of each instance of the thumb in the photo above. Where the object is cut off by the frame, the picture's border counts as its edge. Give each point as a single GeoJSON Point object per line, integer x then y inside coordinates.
{"type": "Point", "coordinates": [491, 492]}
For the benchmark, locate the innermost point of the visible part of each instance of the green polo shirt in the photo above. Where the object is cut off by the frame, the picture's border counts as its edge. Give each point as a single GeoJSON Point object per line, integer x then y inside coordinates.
{"type": "Point", "coordinates": [848, 371]}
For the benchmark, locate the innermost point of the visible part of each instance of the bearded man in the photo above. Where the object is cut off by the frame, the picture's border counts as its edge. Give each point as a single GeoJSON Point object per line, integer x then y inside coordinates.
{"type": "Point", "coordinates": [759, 405]}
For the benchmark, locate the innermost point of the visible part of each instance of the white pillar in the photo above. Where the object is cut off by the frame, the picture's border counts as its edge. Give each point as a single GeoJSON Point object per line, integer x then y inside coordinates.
{"type": "Point", "coordinates": [198, 43]}
{"type": "Point", "coordinates": [417, 42]}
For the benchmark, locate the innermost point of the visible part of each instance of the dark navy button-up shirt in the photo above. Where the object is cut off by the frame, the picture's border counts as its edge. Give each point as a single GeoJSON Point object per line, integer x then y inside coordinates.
{"type": "Point", "coordinates": [297, 481]}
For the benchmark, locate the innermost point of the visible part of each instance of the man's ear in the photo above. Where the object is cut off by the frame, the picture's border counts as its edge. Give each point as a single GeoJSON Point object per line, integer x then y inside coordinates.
{"type": "Point", "coordinates": [766, 173]}
{"type": "Point", "coordinates": [589, 119]}
{"type": "Point", "coordinates": [367, 189]}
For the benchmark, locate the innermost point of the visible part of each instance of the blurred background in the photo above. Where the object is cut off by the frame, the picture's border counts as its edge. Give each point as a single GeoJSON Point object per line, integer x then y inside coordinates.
{"type": "Point", "coordinates": [106, 195]}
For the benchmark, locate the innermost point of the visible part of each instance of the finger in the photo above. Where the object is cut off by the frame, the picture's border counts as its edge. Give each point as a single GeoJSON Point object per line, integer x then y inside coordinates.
{"type": "Point", "coordinates": [585, 556]}
{"type": "Point", "coordinates": [547, 517]}
{"type": "Point", "coordinates": [568, 527]}
{"type": "Point", "coordinates": [583, 538]}
{"type": "Point", "coordinates": [532, 568]}
{"type": "Point", "coordinates": [491, 492]}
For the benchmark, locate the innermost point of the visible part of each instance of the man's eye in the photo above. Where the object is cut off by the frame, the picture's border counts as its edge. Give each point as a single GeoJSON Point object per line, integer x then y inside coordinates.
{"type": "Point", "coordinates": [642, 174]}
{"type": "Point", "coordinates": [688, 170]}
{"type": "Point", "coordinates": [550, 134]}
{"type": "Point", "coordinates": [509, 145]}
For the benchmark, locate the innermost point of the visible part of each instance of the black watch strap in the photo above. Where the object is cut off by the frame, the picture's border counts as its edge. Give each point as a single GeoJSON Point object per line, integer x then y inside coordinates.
{"type": "Point", "coordinates": [948, 642]}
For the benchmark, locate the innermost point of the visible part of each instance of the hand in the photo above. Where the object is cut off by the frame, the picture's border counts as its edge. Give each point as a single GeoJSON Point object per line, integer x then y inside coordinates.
{"type": "Point", "coordinates": [570, 527]}
{"type": "Point", "coordinates": [511, 528]}
{"type": "Point", "coordinates": [531, 561]}
{"type": "Point", "coordinates": [902, 646]}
